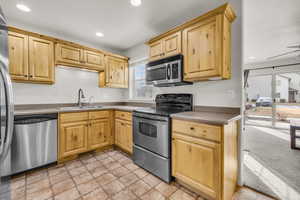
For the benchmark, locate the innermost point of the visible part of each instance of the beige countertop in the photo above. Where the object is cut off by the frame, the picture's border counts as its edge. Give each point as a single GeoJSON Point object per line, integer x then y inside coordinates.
{"type": "Point", "coordinates": [30, 111]}
{"type": "Point", "coordinates": [214, 118]}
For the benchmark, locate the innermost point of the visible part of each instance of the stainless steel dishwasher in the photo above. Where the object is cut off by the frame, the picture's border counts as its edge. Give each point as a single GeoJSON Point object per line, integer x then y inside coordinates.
{"type": "Point", "coordinates": [34, 142]}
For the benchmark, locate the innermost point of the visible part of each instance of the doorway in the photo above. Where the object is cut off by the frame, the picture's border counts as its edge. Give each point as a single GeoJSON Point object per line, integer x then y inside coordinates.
{"type": "Point", "coordinates": [272, 101]}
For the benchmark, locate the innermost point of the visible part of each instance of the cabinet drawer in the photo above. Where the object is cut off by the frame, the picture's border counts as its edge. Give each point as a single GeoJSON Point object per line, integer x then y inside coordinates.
{"type": "Point", "coordinates": [197, 130]}
{"type": "Point", "coordinates": [73, 117]}
{"type": "Point", "coordinates": [99, 114]}
{"type": "Point", "coordinates": [123, 115]}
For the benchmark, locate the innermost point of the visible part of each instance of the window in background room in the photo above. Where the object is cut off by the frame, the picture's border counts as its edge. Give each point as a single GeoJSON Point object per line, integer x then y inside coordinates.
{"type": "Point", "coordinates": [139, 89]}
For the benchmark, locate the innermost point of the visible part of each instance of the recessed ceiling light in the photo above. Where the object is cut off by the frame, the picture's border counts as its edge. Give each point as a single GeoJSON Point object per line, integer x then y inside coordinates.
{"type": "Point", "coordinates": [23, 7]}
{"type": "Point", "coordinates": [99, 34]}
{"type": "Point", "coordinates": [136, 3]}
{"type": "Point", "coordinates": [252, 57]}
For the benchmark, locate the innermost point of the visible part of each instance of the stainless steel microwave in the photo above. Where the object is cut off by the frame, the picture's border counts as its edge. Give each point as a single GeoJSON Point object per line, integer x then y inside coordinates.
{"type": "Point", "coordinates": [166, 72]}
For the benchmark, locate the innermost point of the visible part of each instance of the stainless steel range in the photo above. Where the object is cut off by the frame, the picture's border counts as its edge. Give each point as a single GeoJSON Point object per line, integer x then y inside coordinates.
{"type": "Point", "coordinates": [152, 133]}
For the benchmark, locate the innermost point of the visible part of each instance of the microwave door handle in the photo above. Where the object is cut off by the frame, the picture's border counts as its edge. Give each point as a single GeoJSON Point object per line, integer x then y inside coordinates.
{"type": "Point", "coordinates": [168, 71]}
{"type": "Point", "coordinates": [6, 137]}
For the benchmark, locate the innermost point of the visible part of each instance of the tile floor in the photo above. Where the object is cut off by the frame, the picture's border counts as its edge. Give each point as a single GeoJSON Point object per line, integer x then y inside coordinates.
{"type": "Point", "coordinates": [109, 175]}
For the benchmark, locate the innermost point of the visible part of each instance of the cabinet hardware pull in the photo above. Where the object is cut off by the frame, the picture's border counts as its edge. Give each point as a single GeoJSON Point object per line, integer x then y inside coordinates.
{"type": "Point", "coordinates": [30, 76]}
{"type": "Point", "coordinates": [26, 76]}
{"type": "Point", "coordinates": [207, 35]}
{"type": "Point", "coordinates": [192, 128]}
{"type": "Point", "coordinates": [194, 51]}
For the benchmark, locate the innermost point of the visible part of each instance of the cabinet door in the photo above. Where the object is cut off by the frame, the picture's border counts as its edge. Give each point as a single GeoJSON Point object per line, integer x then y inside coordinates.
{"type": "Point", "coordinates": [200, 50]}
{"type": "Point", "coordinates": [94, 60]}
{"type": "Point", "coordinates": [128, 136]}
{"type": "Point", "coordinates": [156, 50]}
{"type": "Point", "coordinates": [18, 56]}
{"type": "Point", "coordinates": [117, 72]}
{"type": "Point", "coordinates": [119, 133]}
{"type": "Point", "coordinates": [41, 60]}
{"type": "Point", "coordinates": [68, 55]}
{"type": "Point", "coordinates": [197, 164]}
{"type": "Point", "coordinates": [73, 138]}
{"type": "Point", "coordinates": [99, 132]}
{"type": "Point", "coordinates": [172, 44]}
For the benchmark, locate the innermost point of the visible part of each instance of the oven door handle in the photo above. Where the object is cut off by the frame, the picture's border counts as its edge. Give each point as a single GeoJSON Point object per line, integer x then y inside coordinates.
{"type": "Point", "coordinates": [139, 118]}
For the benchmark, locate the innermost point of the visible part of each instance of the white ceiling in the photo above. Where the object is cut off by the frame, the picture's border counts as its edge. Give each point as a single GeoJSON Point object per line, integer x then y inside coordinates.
{"type": "Point", "coordinates": [269, 27]}
{"type": "Point", "coordinates": [123, 25]}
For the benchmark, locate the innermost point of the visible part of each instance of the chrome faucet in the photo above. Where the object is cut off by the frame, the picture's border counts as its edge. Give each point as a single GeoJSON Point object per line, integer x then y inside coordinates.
{"type": "Point", "coordinates": [80, 97]}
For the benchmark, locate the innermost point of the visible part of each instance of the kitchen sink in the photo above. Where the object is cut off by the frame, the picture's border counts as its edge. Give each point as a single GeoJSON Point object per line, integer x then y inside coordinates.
{"type": "Point", "coordinates": [80, 108]}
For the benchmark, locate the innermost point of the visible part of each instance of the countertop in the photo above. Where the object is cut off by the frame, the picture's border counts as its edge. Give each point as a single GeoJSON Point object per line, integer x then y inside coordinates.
{"type": "Point", "coordinates": [214, 118]}
{"type": "Point", "coordinates": [30, 111]}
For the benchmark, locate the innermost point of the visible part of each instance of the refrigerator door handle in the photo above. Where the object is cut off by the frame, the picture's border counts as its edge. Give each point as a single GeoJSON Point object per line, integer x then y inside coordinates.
{"type": "Point", "coordinates": [6, 138]}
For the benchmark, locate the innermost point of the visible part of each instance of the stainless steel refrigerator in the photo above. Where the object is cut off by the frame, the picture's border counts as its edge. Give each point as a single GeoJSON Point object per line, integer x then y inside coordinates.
{"type": "Point", "coordinates": [6, 106]}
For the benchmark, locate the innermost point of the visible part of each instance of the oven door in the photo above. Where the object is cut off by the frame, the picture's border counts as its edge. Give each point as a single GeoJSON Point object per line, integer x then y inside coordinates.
{"type": "Point", "coordinates": [157, 74]}
{"type": "Point", "coordinates": [152, 133]}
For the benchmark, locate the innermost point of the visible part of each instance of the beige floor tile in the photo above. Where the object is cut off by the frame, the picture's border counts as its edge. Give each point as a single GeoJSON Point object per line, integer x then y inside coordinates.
{"type": "Point", "coordinates": [182, 195]}
{"type": "Point", "coordinates": [107, 160]}
{"type": "Point", "coordinates": [63, 186]}
{"type": "Point", "coordinates": [82, 178]}
{"type": "Point", "coordinates": [101, 156]}
{"type": "Point", "coordinates": [125, 161]}
{"type": "Point", "coordinates": [131, 166]}
{"type": "Point", "coordinates": [124, 195]}
{"type": "Point", "coordinates": [39, 185]}
{"type": "Point", "coordinates": [166, 189]}
{"type": "Point", "coordinates": [113, 187]}
{"type": "Point", "coordinates": [97, 194]}
{"type": "Point", "coordinates": [17, 182]}
{"type": "Point", "coordinates": [88, 160]}
{"type": "Point", "coordinates": [139, 188]}
{"type": "Point", "coordinates": [118, 156]}
{"type": "Point", "coordinates": [88, 187]}
{"type": "Point", "coordinates": [151, 180]}
{"type": "Point", "coordinates": [93, 165]}
{"type": "Point", "coordinates": [121, 171]}
{"type": "Point", "coordinates": [34, 177]}
{"type": "Point", "coordinates": [40, 195]}
{"type": "Point", "coordinates": [18, 193]}
{"type": "Point", "coordinates": [99, 171]}
{"type": "Point", "coordinates": [105, 179]}
{"type": "Point", "coordinates": [57, 170]}
{"type": "Point", "coordinates": [153, 195]}
{"type": "Point", "coordinates": [71, 194]}
{"type": "Point", "coordinates": [129, 179]}
{"type": "Point", "coordinates": [73, 164]}
{"type": "Point", "coordinates": [140, 173]}
{"type": "Point", "coordinates": [59, 178]}
{"type": "Point", "coordinates": [78, 171]}
{"type": "Point", "coordinates": [113, 165]}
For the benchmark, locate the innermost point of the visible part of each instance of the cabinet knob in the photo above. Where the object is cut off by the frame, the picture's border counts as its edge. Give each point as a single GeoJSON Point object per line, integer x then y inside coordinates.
{"type": "Point", "coordinates": [26, 76]}
{"type": "Point", "coordinates": [30, 76]}
{"type": "Point", "coordinates": [194, 51]}
{"type": "Point", "coordinates": [12, 48]}
{"type": "Point", "coordinates": [192, 128]}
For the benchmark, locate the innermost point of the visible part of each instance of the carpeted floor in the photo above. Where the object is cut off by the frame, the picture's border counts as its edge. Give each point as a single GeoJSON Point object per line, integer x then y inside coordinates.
{"type": "Point", "coordinates": [275, 154]}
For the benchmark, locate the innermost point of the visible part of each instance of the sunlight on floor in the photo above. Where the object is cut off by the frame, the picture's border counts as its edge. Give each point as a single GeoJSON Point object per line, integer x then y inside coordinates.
{"type": "Point", "coordinates": [276, 184]}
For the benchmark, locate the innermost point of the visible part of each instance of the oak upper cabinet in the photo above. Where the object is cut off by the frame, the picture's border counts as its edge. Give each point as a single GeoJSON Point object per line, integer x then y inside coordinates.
{"type": "Point", "coordinates": [204, 157]}
{"type": "Point", "coordinates": [18, 56]}
{"type": "Point", "coordinates": [41, 60]}
{"type": "Point", "coordinates": [205, 43]}
{"type": "Point", "coordinates": [68, 55]}
{"type": "Point", "coordinates": [115, 74]}
{"type": "Point", "coordinates": [123, 130]}
{"type": "Point", "coordinates": [76, 56]}
{"type": "Point", "coordinates": [165, 47]}
{"type": "Point", "coordinates": [94, 60]}
{"type": "Point", "coordinates": [31, 58]}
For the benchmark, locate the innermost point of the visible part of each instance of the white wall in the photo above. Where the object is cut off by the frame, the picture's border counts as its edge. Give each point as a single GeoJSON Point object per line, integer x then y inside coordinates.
{"type": "Point", "coordinates": [65, 89]}
{"type": "Point", "coordinates": [210, 93]}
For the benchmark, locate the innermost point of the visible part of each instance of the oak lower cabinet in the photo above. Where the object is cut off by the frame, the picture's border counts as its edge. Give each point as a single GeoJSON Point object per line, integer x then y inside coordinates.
{"type": "Point", "coordinates": [31, 58]}
{"type": "Point", "coordinates": [115, 74]}
{"type": "Point", "coordinates": [84, 131]}
{"type": "Point", "coordinates": [123, 131]}
{"type": "Point", "coordinates": [204, 158]}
